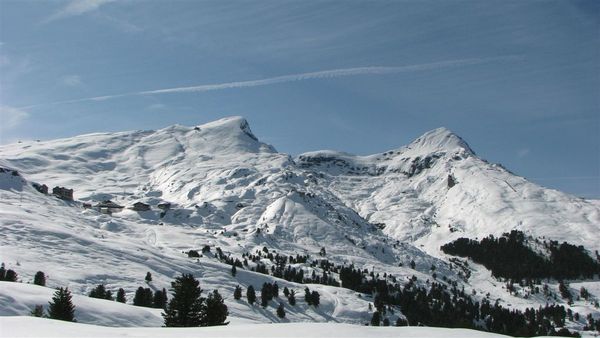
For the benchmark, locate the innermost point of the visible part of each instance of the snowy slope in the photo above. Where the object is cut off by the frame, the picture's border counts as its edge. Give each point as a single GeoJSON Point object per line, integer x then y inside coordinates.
{"type": "Point", "coordinates": [227, 189]}
{"type": "Point", "coordinates": [37, 327]}
{"type": "Point", "coordinates": [407, 190]}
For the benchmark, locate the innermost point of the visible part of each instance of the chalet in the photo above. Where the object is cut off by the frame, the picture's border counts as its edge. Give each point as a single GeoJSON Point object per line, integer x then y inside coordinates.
{"type": "Point", "coordinates": [139, 206]}
{"type": "Point", "coordinates": [63, 193]}
{"type": "Point", "coordinates": [108, 207]}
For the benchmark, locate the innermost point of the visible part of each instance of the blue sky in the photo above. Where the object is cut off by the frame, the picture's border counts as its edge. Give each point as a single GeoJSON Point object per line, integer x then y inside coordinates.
{"type": "Point", "coordinates": [518, 80]}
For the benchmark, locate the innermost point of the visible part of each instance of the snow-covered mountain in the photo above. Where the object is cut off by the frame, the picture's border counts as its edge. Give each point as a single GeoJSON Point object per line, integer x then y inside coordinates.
{"type": "Point", "coordinates": [218, 185]}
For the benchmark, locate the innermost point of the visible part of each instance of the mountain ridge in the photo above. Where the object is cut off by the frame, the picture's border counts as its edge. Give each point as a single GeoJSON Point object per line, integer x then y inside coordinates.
{"type": "Point", "coordinates": [388, 212]}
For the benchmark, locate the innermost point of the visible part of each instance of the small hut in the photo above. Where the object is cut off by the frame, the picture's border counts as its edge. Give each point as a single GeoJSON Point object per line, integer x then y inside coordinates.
{"type": "Point", "coordinates": [108, 207]}
{"type": "Point", "coordinates": [139, 206]}
{"type": "Point", "coordinates": [63, 193]}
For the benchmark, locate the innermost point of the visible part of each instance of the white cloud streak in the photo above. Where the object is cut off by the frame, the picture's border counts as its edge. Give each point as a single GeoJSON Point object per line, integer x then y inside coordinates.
{"type": "Point", "coordinates": [76, 7]}
{"type": "Point", "coordinates": [325, 74]}
{"type": "Point", "coordinates": [71, 80]}
{"type": "Point", "coordinates": [11, 117]}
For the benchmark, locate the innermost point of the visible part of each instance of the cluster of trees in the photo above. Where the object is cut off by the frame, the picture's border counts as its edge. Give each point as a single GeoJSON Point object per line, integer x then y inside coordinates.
{"type": "Point", "coordinates": [434, 305]}
{"type": "Point", "coordinates": [440, 305]}
{"type": "Point", "coordinates": [7, 275]}
{"type": "Point", "coordinates": [269, 291]}
{"type": "Point", "coordinates": [11, 276]}
{"type": "Point", "coordinates": [146, 298]}
{"type": "Point", "coordinates": [509, 256]}
{"type": "Point", "coordinates": [188, 307]}
{"type": "Point", "coordinates": [312, 298]}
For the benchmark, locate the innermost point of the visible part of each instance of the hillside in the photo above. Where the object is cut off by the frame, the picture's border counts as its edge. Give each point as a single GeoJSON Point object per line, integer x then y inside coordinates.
{"type": "Point", "coordinates": [219, 186]}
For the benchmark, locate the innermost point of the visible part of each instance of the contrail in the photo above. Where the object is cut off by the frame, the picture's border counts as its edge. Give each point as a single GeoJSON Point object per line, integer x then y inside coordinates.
{"type": "Point", "coordinates": [324, 74]}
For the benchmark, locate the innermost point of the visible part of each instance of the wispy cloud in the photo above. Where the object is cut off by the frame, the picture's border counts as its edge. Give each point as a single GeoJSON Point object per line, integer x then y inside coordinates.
{"type": "Point", "coordinates": [71, 80]}
{"type": "Point", "coordinates": [11, 117]}
{"type": "Point", "coordinates": [523, 152]}
{"type": "Point", "coordinates": [324, 74]}
{"type": "Point", "coordinates": [76, 7]}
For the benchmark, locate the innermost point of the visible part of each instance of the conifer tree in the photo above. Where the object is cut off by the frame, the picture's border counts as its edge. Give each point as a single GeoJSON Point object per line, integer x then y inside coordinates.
{"type": "Point", "coordinates": [39, 279]}
{"type": "Point", "coordinates": [11, 276]}
{"type": "Point", "coordinates": [233, 270]}
{"type": "Point", "coordinates": [307, 296]}
{"type": "Point", "coordinates": [316, 298]}
{"type": "Point", "coordinates": [38, 311]}
{"type": "Point", "coordinates": [61, 307]}
{"type": "Point", "coordinates": [275, 290]}
{"type": "Point", "coordinates": [251, 295]}
{"type": "Point", "coordinates": [265, 294]}
{"type": "Point", "coordinates": [216, 311]}
{"type": "Point", "coordinates": [101, 293]}
{"type": "Point", "coordinates": [286, 291]}
{"type": "Point", "coordinates": [108, 295]}
{"type": "Point", "coordinates": [160, 299]}
{"type": "Point", "coordinates": [143, 297]}
{"type": "Point", "coordinates": [292, 298]}
{"type": "Point", "coordinates": [375, 319]}
{"type": "Point", "coordinates": [237, 293]}
{"type": "Point", "coordinates": [187, 307]}
{"type": "Point", "coordinates": [386, 322]}
{"type": "Point", "coordinates": [121, 296]}
{"type": "Point", "coordinates": [280, 311]}
{"type": "Point", "coordinates": [2, 272]}
{"type": "Point", "coordinates": [148, 277]}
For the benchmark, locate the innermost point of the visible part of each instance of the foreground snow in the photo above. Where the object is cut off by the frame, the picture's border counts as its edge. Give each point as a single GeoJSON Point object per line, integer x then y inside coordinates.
{"type": "Point", "coordinates": [38, 327]}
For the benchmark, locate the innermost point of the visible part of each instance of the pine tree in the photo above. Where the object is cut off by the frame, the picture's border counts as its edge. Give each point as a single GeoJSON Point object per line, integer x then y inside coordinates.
{"type": "Point", "coordinates": [584, 293]}
{"type": "Point", "coordinates": [2, 272]}
{"type": "Point", "coordinates": [38, 311]}
{"type": "Point", "coordinates": [148, 277]}
{"type": "Point", "coordinates": [307, 296]}
{"type": "Point", "coordinates": [286, 291]}
{"type": "Point", "coordinates": [61, 307]}
{"type": "Point", "coordinates": [186, 308]}
{"type": "Point", "coordinates": [121, 296]}
{"type": "Point", "coordinates": [386, 322]}
{"type": "Point", "coordinates": [265, 294]}
{"type": "Point", "coordinates": [280, 311]}
{"type": "Point", "coordinates": [237, 293]}
{"type": "Point", "coordinates": [292, 298]}
{"type": "Point", "coordinates": [101, 293]}
{"type": "Point", "coordinates": [216, 310]}
{"type": "Point", "coordinates": [160, 299]}
{"type": "Point", "coordinates": [11, 276]}
{"type": "Point", "coordinates": [316, 298]}
{"type": "Point", "coordinates": [275, 290]}
{"type": "Point", "coordinates": [233, 270]}
{"type": "Point", "coordinates": [375, 319]}
{"type": "Point", "coordinates": [251, 295]}
{"type": "Point", "coordinates": [39, 279]}
{"type": "Point", "coordinates": [143, 297]}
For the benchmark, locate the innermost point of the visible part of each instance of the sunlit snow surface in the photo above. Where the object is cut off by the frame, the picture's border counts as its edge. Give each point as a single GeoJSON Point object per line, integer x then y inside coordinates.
{"type": "Point", "coordinates": [376, 212]}
{"type": "Point", "coordinates": [36, 327]}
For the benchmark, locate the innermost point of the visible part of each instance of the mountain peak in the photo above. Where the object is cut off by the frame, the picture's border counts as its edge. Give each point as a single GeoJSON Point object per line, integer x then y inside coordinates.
{"type": "Point", "coordinates": [440, 139]}
{"type": "Point", "coordinates": [231, 123]}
